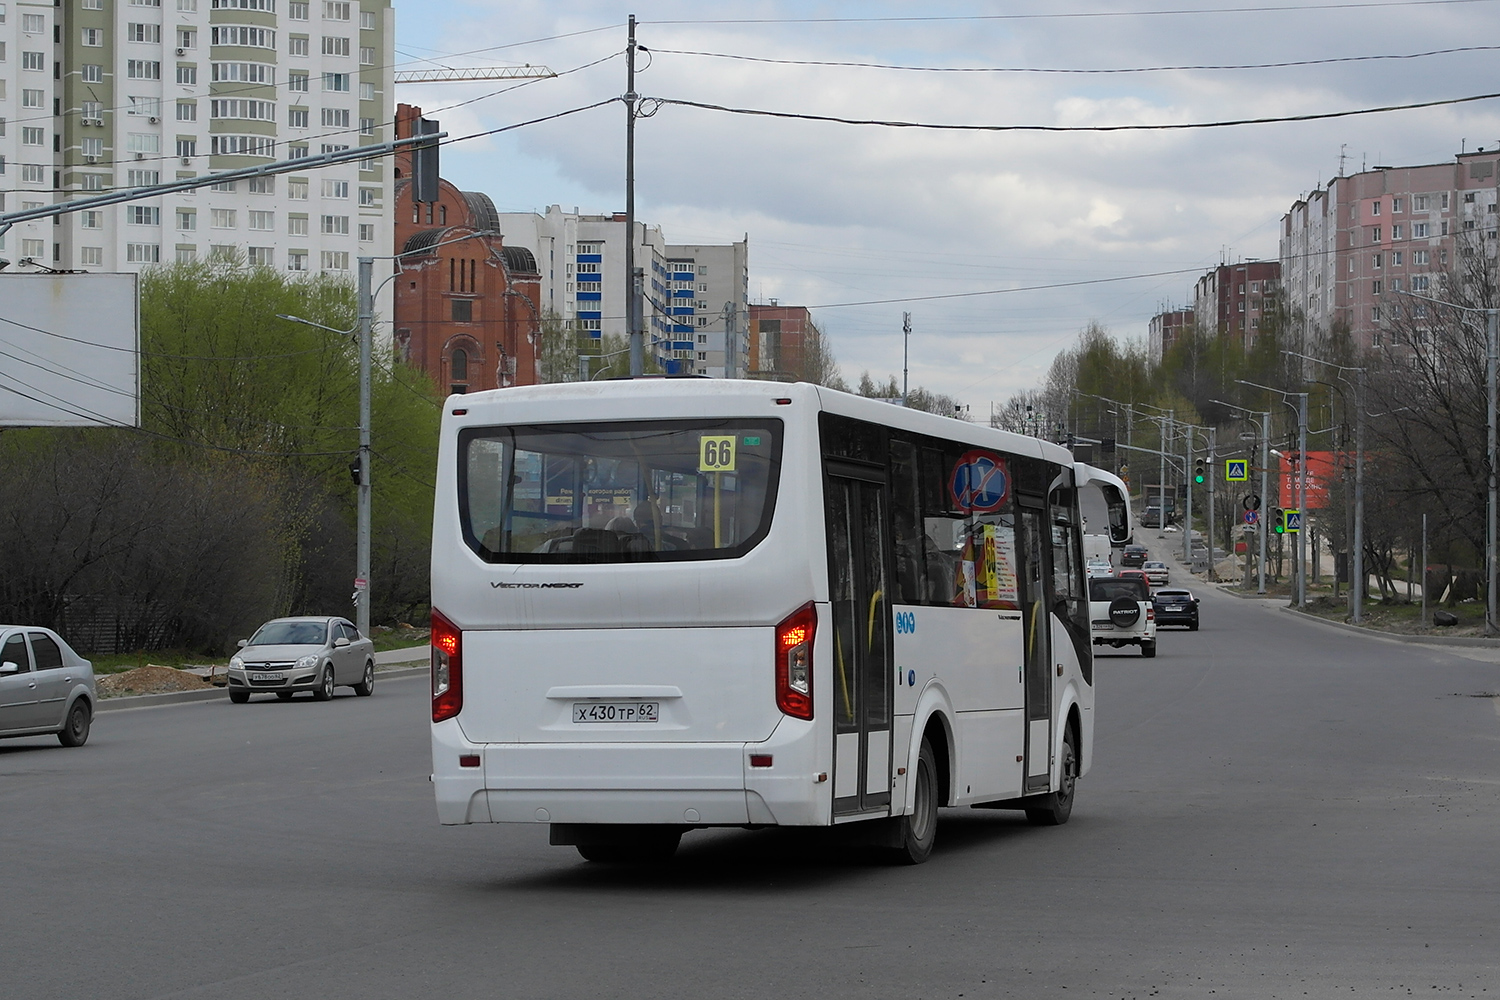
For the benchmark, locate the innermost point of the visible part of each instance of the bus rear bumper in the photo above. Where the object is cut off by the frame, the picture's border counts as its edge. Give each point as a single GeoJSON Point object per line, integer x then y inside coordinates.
{"type": "Point", "coordinates": [692, 784]}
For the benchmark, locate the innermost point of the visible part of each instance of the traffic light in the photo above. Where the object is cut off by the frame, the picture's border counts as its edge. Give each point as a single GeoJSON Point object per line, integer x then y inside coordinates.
{"type": "Point", "coordinates": [354, 470]}
{"type": "Point", "coordinates": [1278, 520]}
{"type": "Point", "coordinates": [1200, 473]}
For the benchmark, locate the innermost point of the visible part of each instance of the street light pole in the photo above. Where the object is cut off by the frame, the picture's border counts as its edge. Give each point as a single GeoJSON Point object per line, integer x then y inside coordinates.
{"type": "Point", "coordinates": [1265, 497]}
{"type": "Point", "coordinates": [632, 299]}
{"type": "Point", "coordinates": [362, 544]}
{"type": "Point", "coordinates": [1302, 500]}
{"type": "Point", "coordinates": [1491, 527]}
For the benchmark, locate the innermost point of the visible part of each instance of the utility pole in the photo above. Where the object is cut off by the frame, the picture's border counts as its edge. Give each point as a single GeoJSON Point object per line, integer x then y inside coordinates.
{"type": "Point", "coordinates": [905, 352]}
{"type": "Point", "coordinates": [1187, 515]}
{"type": "Point", "coordinates": [1357, 596]}
{"type": "Point", "coordinates": [1265, 497]}
{"type": "Point", "coordinates": [1213, 442]}
{"type": "Point", "coordinates": [362, 544]}
{"type": "Point", "coordinates": [1302, 500]}
{"type": "Point", "coordinates": [632, 301]}
{"type": "Point", "coordinates": [731, 342]}
{"type": "Point", "coordinates": [1491, 526]}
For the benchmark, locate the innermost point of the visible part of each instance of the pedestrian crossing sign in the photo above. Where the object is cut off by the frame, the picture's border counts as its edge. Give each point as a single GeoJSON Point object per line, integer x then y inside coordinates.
{"type": "Point", "coordinates": [1293, 521]}
{"type": "Point", "coordinates": [1236, 470]}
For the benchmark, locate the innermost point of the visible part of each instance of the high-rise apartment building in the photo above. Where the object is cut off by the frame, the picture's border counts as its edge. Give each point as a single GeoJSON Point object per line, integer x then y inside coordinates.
{"type": "Point", "coordinates": [107, 94]}
{"type": "Point", "coordinates": [685, 288]}
{"type": "Point", "coordinates": [1352, 250]}
{"type": "Point", "coordinates": [1167, 328]}
{"type": "Point", "coordinates": [1232, 299]}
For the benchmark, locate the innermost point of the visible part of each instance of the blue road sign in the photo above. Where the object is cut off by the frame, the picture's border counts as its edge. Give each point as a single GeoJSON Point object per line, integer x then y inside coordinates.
{"type": "Point", "coordinates": [1293, 521]}
{"type": "Point", "coordinates": [1236, 470]}
{"type": "Point", "coordinates": [1252, 516]}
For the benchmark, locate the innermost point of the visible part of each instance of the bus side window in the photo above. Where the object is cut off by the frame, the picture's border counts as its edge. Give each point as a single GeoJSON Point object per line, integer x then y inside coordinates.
{"type": "Point", "coordinates": [906, 524]}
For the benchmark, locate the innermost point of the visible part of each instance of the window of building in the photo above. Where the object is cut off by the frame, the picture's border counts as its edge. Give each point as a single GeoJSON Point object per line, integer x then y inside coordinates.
{"type": "Point", "coordinates": [335, 189]}
{"type": "Point", "coordinates": [367, 92]}
{"type": "Point", "coordinates": [91, 182]}
{"type": "Point", "coordinates": [91, 73]}
{"type": "Point", "coordinates": [296, 11]}
{"type": "Point", "coordinates": [187, 219]}
{"type": "Point", "coordinates": [92, 148]}
{"type": "Point", "coordinates": [368, 197]}
{"type": "Point", "coordinates": [187, 5]}
{"type": "Point", "coordinates": [34, 24]}
{"type": "Point", "coordinates": [1419, 230]}
{"type": "Point", "coordinates": [36, 61]}
{"type": "Point", "coordinates": [1376, 259]}
{"type": "Point", "coordinates": [260, 256]}
{"type": "Point", "coordinates": [1375, 234]}
{"type": "Point", "coordinates": [336, 117]}
{"type": "Point", "coordinates": [187, 74]}
{"type": "Point", "coordinates": [463, 312]}
{"type": "Point", "coordinates": [296, 189]}
{"type": "Point", "coordinates": [296, 117]}
{"type": "Point", "coordinates": [143, 33]}
{"type": "Point", "coordinates": [142, 215]}
{"type": "Point", "coordinates": [1445, 201]}
{"type": "Point", "coordinates": [143, 253]}
{"type": "Point", "coordinates": [298, 45]}
{"type": "Point", "coordinates": [297, 82]}
{"type": "Point", "coordinates": [1395, 258]}
{"type": "Point", "coordinates": [1375, 313]}
{"type": "Point", "coordinates": [261, 185]}
{"type": "Point", "coordinates": [1396, 231]}
{"type": "Point", "coordinates": [187, 111]}
{"type": "Point", "coordinates": [222, 218]}
{"type": "Point", "coordinates": [367, 20]}
{"type": "Point", "coordinates": [33, 98]}
{"type": "Point", "coordinates": [296, 225]}
{"type": "Point", "coordinates": [91, 220]}
{"type": "Point", "coordinates": [1468, 197]}
{"type": "Point", "coordinates": [1420, 283]}
{"type": "Point", "coordinates": [335, 260]}
{"type": "Point", "coordinates": [1395, 205]}
{"type": "Point", "coordinates": [367, 55]}
{"type": "Point", "coordinates": [336, 83]}
{"type": "Point", "coordinates": [296, 260]}
{"type": "Point", "coordinates": [336, 225]}
{"type": "Point", "coordinates": [1419, 203]}
{"type": "Point", "coordinates": [223, 253]}
{"type": "Point", "coordinates": [243, 35]}
{"type": "Point", "coordinates": [261, 220]}
{"type": "Point", "coordinates": [92, 37]}
{"type": "Point", "coordinates": [296, 152]}
{"type": "Point", "coordinates": [142, 69]}
{"type": "Point", "coordinates": [33, 136]}
{"type": "Point", "coordinates": [91, 256]}
{"type": "Point", "coordinates": [187, 146]}
{"type": "Point", "coordinates": [88, 5]}
{"type": "Point", "coordinates": [1419, 258]}
{"type": "Point", "coordinates": [334, 45]}
{"type": "Point", "coordinates": [366, 232]}
{"type": "Point", "coordinates": [335, 10]}
{"type": "Point", "coordinates": [1375, 287]}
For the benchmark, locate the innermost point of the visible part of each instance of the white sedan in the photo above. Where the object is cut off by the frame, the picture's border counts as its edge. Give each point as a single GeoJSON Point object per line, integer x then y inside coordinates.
{"type": "Point", "coordinates": [1157, 573]}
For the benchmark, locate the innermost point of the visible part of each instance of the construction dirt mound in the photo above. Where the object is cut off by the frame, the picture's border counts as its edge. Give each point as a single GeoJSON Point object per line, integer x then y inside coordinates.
{"type": "Point", "coordinates": [150, 679]}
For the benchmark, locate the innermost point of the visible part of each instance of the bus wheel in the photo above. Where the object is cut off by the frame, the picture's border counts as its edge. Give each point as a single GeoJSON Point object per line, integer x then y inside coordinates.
{"type": "Point", "coordinates": [635, 848]}
{"type": "Point", "coordinates": [919, 827]}
{"type": "Point", "coordinates": [1059, 805]}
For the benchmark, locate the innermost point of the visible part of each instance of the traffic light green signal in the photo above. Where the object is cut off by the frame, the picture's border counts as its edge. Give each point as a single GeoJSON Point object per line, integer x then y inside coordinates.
{"type": "Point", "coordinates": [1278, 521]}
{"type": "Point", "coordinates": [1200, 473]}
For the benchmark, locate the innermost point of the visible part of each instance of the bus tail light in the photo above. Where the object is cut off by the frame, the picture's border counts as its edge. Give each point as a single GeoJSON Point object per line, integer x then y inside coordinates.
{"type": "Point", "coordinates": [447, 668]}
{"type": "Point", "coordinates": [794, 648]}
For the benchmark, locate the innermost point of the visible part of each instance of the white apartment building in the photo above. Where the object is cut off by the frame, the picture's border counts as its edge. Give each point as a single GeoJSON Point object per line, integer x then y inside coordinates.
{"type": "Point", "coordinates": [582, 260]}
{"type": "Point", "coordinates": [105, 94]}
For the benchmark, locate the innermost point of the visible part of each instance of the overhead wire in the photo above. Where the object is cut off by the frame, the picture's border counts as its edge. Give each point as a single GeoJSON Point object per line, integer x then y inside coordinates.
{"type": "Point", "coordinates": [1063, 15]}
{"type": "Point", "coordinates": [1163, 127]}
{"type": "Point", "coordinates": [1086, 71]}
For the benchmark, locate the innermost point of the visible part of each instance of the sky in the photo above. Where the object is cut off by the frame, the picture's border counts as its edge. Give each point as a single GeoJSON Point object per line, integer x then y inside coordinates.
{"type": "Point", "coordinates": [838, 215]}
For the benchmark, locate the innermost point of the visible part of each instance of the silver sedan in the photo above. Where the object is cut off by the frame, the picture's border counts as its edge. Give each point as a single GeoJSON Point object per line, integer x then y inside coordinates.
{"type": "Point", "coordinates": [45, 687]}
{"type": "Point", "coordinates": [302, 654]}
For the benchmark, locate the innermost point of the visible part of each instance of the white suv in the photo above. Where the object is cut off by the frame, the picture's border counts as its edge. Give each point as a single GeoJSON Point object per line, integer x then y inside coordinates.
{"type": "Point", "coordinates": [1121, 613]}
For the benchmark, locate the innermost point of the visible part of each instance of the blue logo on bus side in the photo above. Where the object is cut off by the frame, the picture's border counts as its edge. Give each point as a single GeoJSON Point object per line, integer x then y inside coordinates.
{"type": "Point", "coordinates": [906, 622]}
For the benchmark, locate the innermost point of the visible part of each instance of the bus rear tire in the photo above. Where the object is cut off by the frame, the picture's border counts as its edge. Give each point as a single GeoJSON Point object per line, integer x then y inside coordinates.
{"type": "Point", "coordinates": [1059, 805]}
{"type": "Point", "coordinates": [634, 848]}
{"type": "Point", "coordinates": [919, 827]}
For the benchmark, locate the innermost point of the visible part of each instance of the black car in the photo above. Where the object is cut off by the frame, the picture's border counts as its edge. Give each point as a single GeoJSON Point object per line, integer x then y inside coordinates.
{"type": "Point", "coordinates": [1134, 556]}
{"type": "Point", "coordinates": [1175, 606]}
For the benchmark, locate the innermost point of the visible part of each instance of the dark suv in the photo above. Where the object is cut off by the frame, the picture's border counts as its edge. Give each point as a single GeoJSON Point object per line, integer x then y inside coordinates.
{"type": "Point", "coordinates": [1134, 556]}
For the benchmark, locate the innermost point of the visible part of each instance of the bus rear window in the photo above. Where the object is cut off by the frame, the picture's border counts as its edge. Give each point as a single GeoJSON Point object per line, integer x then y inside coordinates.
{"type": "Point", "coordinates": [653, 491]}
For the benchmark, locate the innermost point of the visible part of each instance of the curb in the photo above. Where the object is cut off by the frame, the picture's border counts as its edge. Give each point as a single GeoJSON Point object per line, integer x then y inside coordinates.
{"type": "Point", "coordinates": [1420, 640]}
{"type": "Point", "coordinates": [137, 701]}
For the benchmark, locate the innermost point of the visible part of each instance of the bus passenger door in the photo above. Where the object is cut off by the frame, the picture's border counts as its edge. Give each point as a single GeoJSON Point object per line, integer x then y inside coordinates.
{"type": "Point", "coordinates": [1036, 619]}
{"type": "Point", "coordinates": [859, 584]}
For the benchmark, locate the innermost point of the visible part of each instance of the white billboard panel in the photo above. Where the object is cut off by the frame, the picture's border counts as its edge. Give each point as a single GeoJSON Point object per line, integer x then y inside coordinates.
{"type": "Point", "coordinates": [70, 350]}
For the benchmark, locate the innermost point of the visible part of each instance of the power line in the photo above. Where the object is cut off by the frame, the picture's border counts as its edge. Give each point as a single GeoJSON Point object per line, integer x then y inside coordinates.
{"type": "Point", "coordinates": [512, 45]}
{"type": "Point", "coordinates": [1061, 15]}
{"type": "Point", "coordinates": [1005, 291]}
{"type": "Point", "coordinates": [1039, 69]}
{"type": "Point", "coordinates": [1176, 126]}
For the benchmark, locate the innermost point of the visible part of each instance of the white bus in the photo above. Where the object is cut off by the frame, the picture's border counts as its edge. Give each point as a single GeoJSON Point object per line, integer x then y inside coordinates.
{"type": "Point", "coordinates": [665, 604]}
{"type": "Point", "coordinates": [1108, 522]}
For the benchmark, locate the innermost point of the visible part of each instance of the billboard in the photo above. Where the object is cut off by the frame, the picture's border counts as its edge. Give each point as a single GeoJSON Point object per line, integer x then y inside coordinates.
{"type": "Point", "coordinates": [69, 350]}
{"type": "Point", "coordinates": [1323, 469]}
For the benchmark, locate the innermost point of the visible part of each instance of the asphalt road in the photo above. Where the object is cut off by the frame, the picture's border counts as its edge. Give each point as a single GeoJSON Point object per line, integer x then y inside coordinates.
{"type": "Point", "coordinates": [1278, 809]}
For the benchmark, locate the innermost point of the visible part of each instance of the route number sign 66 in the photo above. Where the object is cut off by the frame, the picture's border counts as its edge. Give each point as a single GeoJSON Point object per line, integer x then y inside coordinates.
{"type": "Point", "coordinates": [716, 453]}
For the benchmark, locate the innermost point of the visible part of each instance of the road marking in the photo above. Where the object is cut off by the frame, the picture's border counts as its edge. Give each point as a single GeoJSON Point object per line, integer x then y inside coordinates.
{"type": "Point", "coordinates": [1464, 781]}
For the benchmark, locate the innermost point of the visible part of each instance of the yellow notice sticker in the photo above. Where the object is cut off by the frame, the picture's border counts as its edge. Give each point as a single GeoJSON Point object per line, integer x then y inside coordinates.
{"type": "Point", "coordinates": [716, 453]}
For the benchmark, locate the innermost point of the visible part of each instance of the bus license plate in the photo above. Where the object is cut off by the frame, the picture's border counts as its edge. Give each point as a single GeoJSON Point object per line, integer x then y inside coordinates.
{"type": "Point", "coordinates": [616, 711]}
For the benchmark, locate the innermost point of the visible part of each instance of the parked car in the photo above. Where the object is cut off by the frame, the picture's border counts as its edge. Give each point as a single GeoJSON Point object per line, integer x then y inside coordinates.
{"type": "Point", "coordinates": [1134, 556]}
{"type": "Point", "coordinates": [1098, 567]}
{"type": "Point", "coordinates": [288, 655]}
{"type": "Point", "coordinates": [1175, 606]}
{"type": "Point", "coordinates": [1157, 572]}
{"type": "Point", "coordinates": [45, 687]}
{"type": "Point", "coordinates": [1121, 613]}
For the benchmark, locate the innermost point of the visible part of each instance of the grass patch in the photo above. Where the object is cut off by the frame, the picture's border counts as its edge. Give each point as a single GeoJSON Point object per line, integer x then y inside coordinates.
{"type": "Point", "coordinates": [386, 637]}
